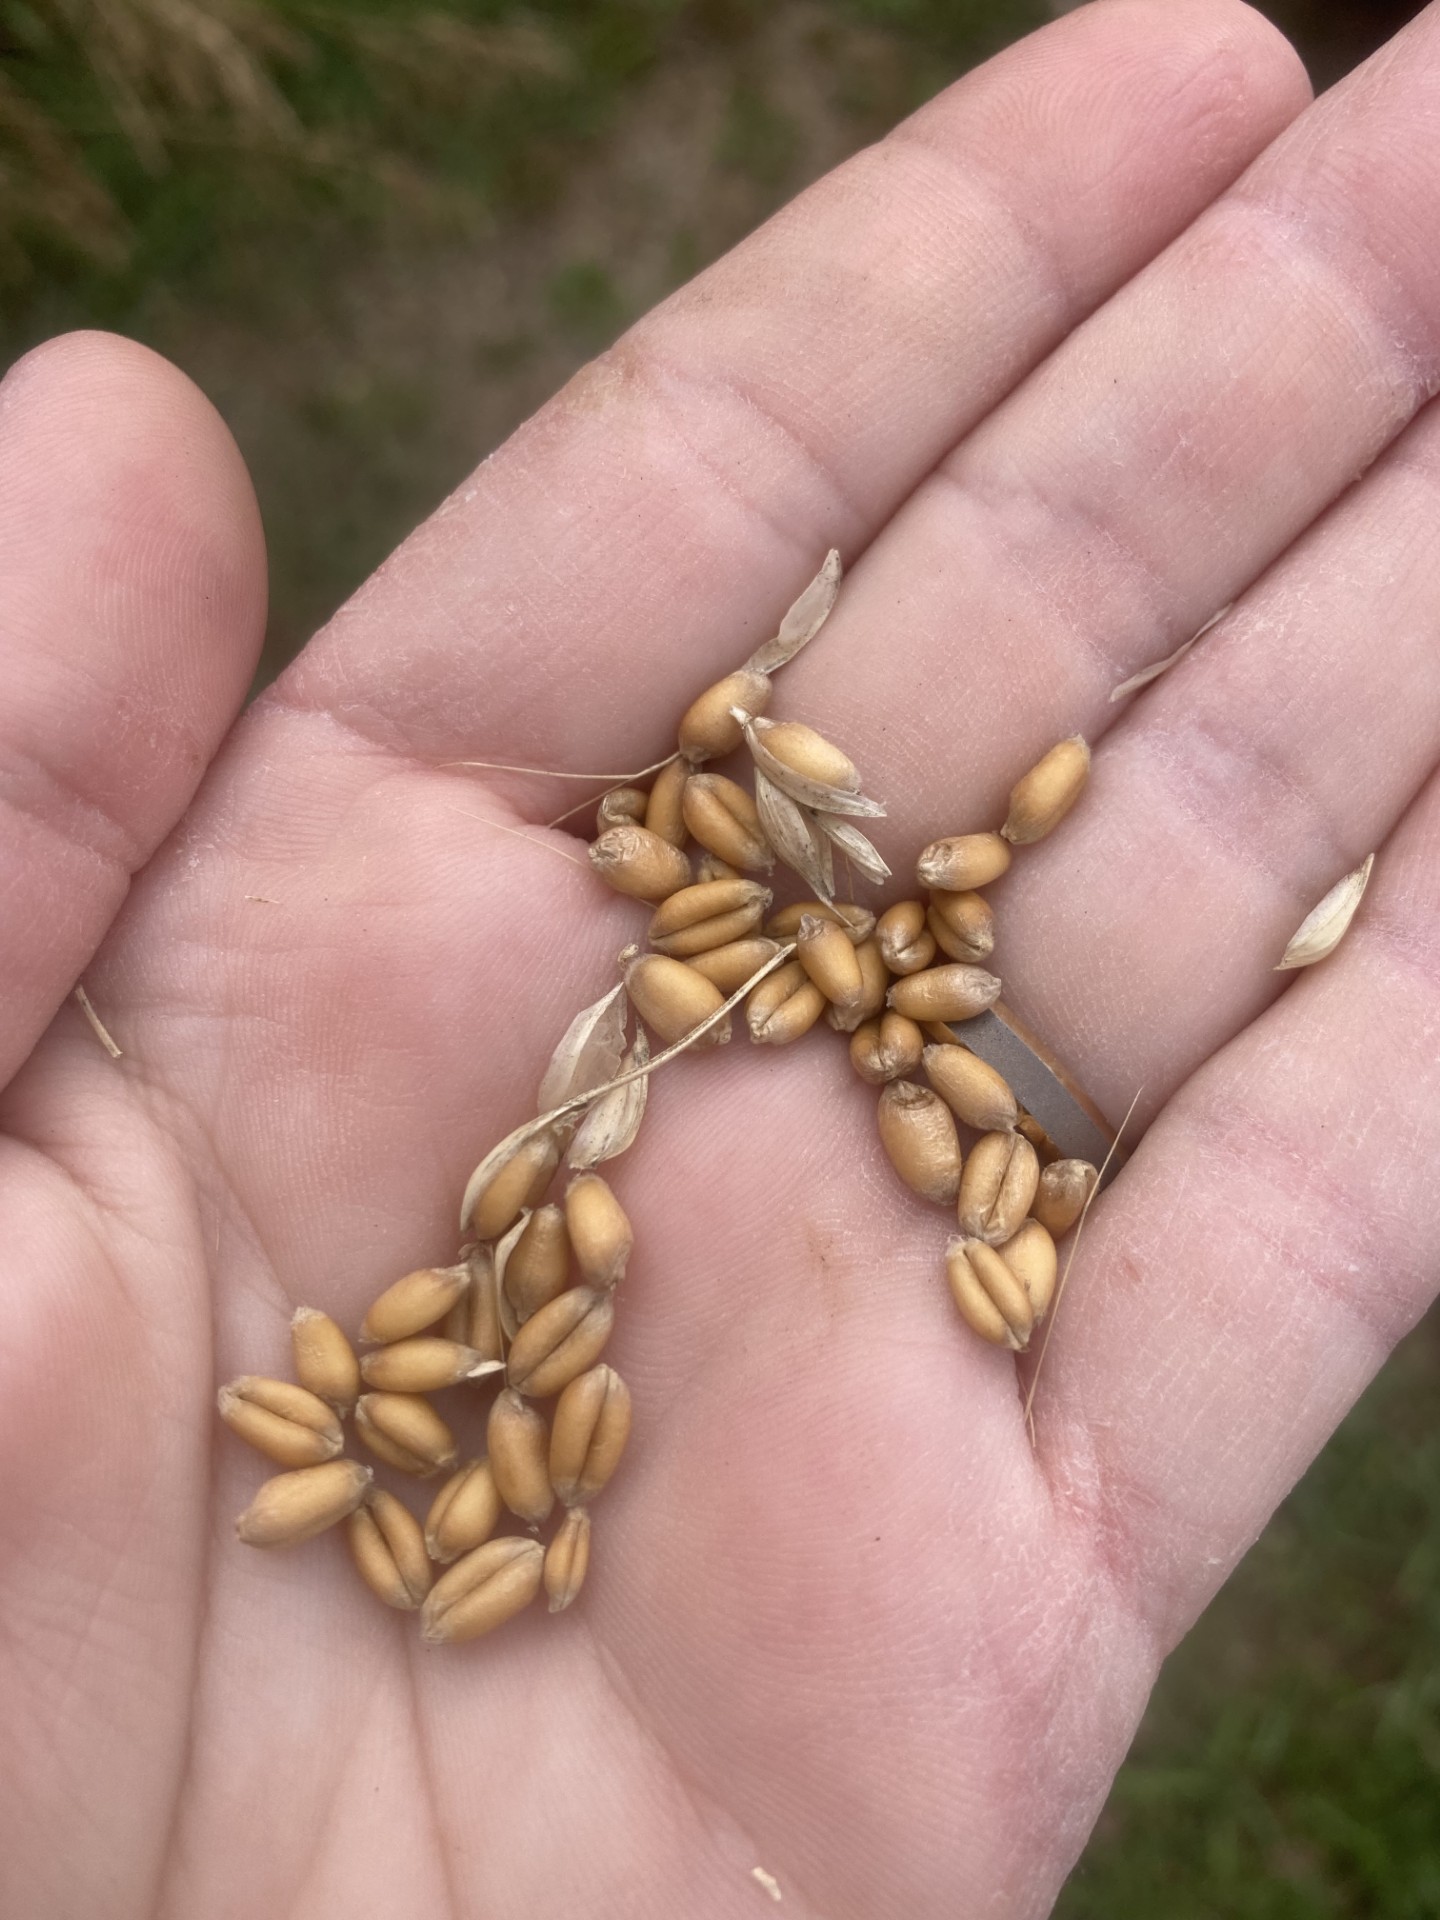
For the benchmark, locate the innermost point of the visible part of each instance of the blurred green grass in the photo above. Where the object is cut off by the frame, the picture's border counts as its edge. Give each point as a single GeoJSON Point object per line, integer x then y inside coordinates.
{"type": "Point", "coordinates": [379, 233]}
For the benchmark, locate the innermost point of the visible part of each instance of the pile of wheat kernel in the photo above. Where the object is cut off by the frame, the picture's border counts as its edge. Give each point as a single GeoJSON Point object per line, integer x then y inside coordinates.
{"type": "Point", "coordinates": [528, 1307]}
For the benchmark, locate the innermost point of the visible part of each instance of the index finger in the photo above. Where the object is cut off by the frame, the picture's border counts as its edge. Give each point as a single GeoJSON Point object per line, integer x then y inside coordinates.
{"type": "Point", "coordinates": [641, 531]}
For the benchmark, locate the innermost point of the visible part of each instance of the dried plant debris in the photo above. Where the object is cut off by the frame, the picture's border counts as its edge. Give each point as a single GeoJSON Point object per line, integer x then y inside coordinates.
{"type": "Point", "coordinates": [1326, 925]}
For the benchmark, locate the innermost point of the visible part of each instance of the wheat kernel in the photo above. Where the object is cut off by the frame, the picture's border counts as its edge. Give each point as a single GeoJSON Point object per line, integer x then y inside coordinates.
{"type": "Point", "coordinates": [518, 1444]}
{"type": "Point", "coordinates": [519, 1182]}
{"type": "Point", "coordinates": [962, 925]}
{"type": "Point", "coordinates": [673, 999]}
{"type": "Point", "coordinates": [389, 1550]}
{"type": "Point", "coordinates": [639, 863]}
{"type": "Point", "coordinates": [874, 980]}
{"type": "Point", "coordinates": [906, 944]}
{"type": "Point", "coordinates": [600, 1230]}
{"type": "Point", "coordinates": [539, 1262]}
{"type": "Point", "coordinates": [997, 1187]}
{"type": "Point", "coordinates": [1065, 1186]}
{"type": "Point", "coordinates": [464, 1513]}
{"type": "Point", "coordinates": [480, 1303]}
{"type": "Point", "coordinates": [1031, 1257]}
{"type": "Point", "coordinates": [559, 1342]}
{"type": "Point", "coordinates": [784, 1006]}
{"type": "Point", "coordinates": [963, 861]}
{"type": "Point", "coordinates": [296, 1506]}
{"type": "Point", "coordinates": [482, 1591]}
{"type": "Point", "coordinates": [859, 921]}
{"type": "Point", "coordinates": [414, 1303]}
{"type": "Point", "coordinates": [811, 755]}
{"type": "Point", "coordinates": [826, 952]}
{"type": "Point", "coordinates": [990, 1297]}
{"type": "Point", "coordinates": [725, 821]}
{"type": "Point", "coordinates": [708, 915]}
{"type": "Point", "coordinates": [423, 1364]}
{"type": "Point", "coordinates": [917, 1131]}
{"type": "Point", "coordinates": [955, 992]}
{"type": "Point", "coordinates": [567, 1559]}
{"type": "Point", "coordinates": [730, 966]}
{"type": "Point", "coordinates": [286, 1423]}
{"type": "Point", "coordinates": [1040, 799]}
{"type": "Point", "coordinates": [325, 1362]}
{"type": "Point", "coordinates": [665, 808]}
{"type": "Point", "coordinates": [886, 1048]}
{"type": "Point", "coordinates": [405, 1431]}
{"type": "Point", "coordinates": [708, 729]}
{"type": "Point", "coordinates": [588, 1434]}
{"type": "Point", "coordinates": [975, 1093]}
{"type": "Point", "coordinates": [622, 807]}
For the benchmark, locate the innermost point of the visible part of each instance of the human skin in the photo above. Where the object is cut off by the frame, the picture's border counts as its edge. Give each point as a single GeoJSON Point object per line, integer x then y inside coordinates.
{"type": "Point", "coordinates": [1113, 332]}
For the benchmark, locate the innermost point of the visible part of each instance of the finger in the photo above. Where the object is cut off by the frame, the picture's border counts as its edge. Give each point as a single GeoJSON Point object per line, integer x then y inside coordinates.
{"type": "Point", "coordinates": [1270, 1242]}
{"type": "Point", "coordinates": [646, 527]}
{"type": "Point", "coordinates": [1238, 791]}
{"type": "Point", "coordinates": [133, 581]}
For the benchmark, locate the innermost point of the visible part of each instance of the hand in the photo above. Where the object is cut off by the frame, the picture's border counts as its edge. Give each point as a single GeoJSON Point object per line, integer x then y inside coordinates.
{"type": "Point", "coordinates": [1056, 402]}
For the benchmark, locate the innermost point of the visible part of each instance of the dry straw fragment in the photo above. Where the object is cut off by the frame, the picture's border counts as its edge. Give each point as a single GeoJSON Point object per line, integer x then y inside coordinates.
{"type": "Point", "coordinates": [724, 819]}
{"type": "Point", "coordinates": [917, 1131]}
{"type": "Point", "coordinates": [797, 841]}
{"type": "Point", "coordinates": [674, 999]}
{"type": "Point", "coordinates": [997, 1187]}
{"type": "Point", "coordinates": [538, 1264]}
{"type": "Point", "coordinates": [1030, 1255]}
{"type": "Point", "coordinates": [589, 1052]}
{"type": "Point", "coordinates": [1041, 798]}
{"type": "Point", "coordinates": [1326, 925]}
{"type": "Point", "coordinates": [388, 1549]}
{"type": "Point", "coordinates": [862, 854]}
{"type": "Point", "coordinates": [709, 866]}
{"type": "Point", "coordinates": [803, 621]}
{"type": "Point", "coordinates": [325, 1361]}
{"type": "Point", "coordinates": [517, 1441]}
{"type": "Point", "coordinates": [1065, 1186]}
{"type": "Point", "coordinates": [588, 1435]}
{"type": "Point", "coordinates": [665, 809]}
{"type": "Point", "coordinates": [560, 1341]}
{"type": "Point", "coordinates": [963, 861]}
{"type": "Point", "coordinates": [286, 1423]}
{"type": "Point", "coordinates": [404, 1431]}
{"type": "Point", "coordinates": [474, 1320]}
{"type": "Point", "coordinates": [961, 924]}
{"type": "Point", "coordinates": [990, 1297]}
{"type": "Point", "coordinates": [296, 1506]}
{"type": "Point", "coordinates": [610, 1127]}
{"type": "Point", "coordinates": [886, 1048]}
{"type": "Point", "coordinates": [1157, 667]}
{"type": "Point", "coordinates": [424, 1364]}
{"type": "Point", "coordinates": [639, 863]}
{"type": "Point", "coordinates": [482, 1591]}
{"type": "Point", "coordinates": [600, 1232]}
{"type": "Point", "coordinates": [784, 1007]}
{"type": "Point", "coordinates": [874, 983]}
{"type": "Point", "coordinates": [906, 943]}
{"type": "Point", "coordinates": [567, 1558]}
{"type": "Point", "coordinates": [464, 1513]}
{"type": "Point", "coordinates": [974, 1091]}
{"type": "Point", "coordinates": [956, 992]}
{"type": "Point", "coordinates": [415, 1301]}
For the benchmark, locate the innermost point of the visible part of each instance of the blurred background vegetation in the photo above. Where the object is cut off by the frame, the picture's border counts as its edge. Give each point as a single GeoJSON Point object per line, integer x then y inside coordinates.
{"type": "Point", "coordinates": [379, 233]}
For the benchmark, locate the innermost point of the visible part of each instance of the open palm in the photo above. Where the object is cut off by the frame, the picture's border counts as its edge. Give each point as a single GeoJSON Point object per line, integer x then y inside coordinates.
{"type": "Point", "coordinates": [1059, 377]}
